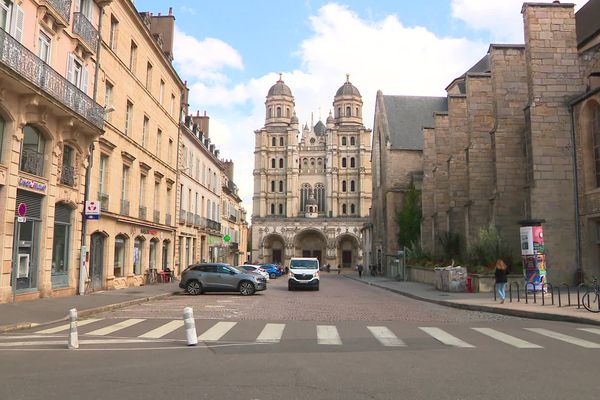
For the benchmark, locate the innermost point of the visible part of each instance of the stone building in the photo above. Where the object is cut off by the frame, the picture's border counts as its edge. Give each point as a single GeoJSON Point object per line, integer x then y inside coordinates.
{"type": "Point", "coordinates": [48, 119]}
{"type": "Point", "coordinates": [504, 151]}
{"type": "Point", "coordinates": [233, 220]}
{"type": "Point", "coordinates": [312, 185]}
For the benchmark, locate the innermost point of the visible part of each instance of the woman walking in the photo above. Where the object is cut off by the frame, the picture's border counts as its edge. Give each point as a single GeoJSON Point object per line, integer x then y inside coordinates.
{"type": "Point", "coordinates": [501, 274]}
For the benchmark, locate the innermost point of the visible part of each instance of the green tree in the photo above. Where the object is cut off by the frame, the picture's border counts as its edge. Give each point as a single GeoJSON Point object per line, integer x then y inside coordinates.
{"type": "Point", "coordinates": [408, 218]}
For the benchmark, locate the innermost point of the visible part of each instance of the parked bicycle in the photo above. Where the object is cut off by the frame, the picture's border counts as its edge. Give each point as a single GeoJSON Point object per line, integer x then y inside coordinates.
{"type": "Point", "coordinates": [591, 298]}
{"type": "Point", "coordinates": [151, 276]}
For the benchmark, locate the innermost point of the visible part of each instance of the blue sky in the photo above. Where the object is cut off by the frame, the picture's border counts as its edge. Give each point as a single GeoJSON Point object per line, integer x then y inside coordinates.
{"type": "Point", "coordinates": [231, 52]}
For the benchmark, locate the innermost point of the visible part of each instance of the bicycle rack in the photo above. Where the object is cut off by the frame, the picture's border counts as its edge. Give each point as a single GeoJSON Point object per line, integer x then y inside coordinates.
{"type": "Point", "coordinates": [551, 288]}
{"type": "Point", "coordinates": [534, 293]}
{"type": "Point", "coordinates": [510, 291]}
{"type": "Point", "coordinates": [578, 293]}
{"type": "Point", "coordinates": [568, 294]}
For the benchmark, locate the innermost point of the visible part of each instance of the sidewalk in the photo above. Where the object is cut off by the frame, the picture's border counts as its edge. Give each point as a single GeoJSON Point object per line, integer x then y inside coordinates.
{"type": "Point", "coordinates": [485, 301]}
{"type": "Point", "coordinates": [25, 314]}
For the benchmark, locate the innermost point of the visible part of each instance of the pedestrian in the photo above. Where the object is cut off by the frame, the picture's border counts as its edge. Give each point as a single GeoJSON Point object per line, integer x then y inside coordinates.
{"type": "Point", "coordinates": [339, 269]}
{"type": "Point", "coordinates": [360, 270]}
{"type": "Point", "coordinates": [501, 274]}
{"type": "Point", "coordinates": [328, 267]}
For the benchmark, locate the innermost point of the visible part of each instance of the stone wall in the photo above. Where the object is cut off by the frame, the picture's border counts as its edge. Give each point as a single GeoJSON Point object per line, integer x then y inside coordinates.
{"type": "Point", "coordinates": [457, 174]}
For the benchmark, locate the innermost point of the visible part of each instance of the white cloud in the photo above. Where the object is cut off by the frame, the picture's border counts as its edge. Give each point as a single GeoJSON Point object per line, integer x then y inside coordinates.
{"type": "Point", "coordinates": [502, 19]}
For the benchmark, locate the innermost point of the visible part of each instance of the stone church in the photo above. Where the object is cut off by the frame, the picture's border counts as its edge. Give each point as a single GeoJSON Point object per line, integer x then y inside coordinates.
{"type": "Point", "coordinates": [312, 184]}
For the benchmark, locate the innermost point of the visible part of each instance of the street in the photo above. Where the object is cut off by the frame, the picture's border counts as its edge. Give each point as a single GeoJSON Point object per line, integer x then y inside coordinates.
{"type": "Point", "coordinates": [346, 341]}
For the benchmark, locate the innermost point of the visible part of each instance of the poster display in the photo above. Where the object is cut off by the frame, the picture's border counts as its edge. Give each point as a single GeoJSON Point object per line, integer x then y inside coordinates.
{"type": "Point", "coordinates": [533, 256]}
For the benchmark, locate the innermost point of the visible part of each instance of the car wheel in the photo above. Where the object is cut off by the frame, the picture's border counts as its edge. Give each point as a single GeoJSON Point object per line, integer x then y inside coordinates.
{"type": "Point", "coordinates": [194, 287]}
{"type": "Point", "coordinates": [272, 275]}
{"type": "Point", "coordinates": [317, 288]}
{"type": "Point", "coordinates": [247, 288]}
{"type": "Point", "coordinates": [290, 288]}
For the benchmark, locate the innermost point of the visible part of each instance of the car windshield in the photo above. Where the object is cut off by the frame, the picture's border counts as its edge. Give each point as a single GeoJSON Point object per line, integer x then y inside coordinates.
{"type": "Point", "coordinates": [235, 269]}
{"type": "Point", "coordinates": [304, 264]}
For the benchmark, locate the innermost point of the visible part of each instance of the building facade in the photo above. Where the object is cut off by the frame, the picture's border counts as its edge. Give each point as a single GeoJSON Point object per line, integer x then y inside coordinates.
{"type": "Point", "coordinates": [233, 220]}
{"type": "Point", "coordinates": [48, 120]}
{"type": "Point", "coordinates": [312, 188]}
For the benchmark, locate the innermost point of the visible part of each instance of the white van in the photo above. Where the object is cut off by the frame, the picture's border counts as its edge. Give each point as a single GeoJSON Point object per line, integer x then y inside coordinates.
{"type": "Point", "coordinates": [303, 272]}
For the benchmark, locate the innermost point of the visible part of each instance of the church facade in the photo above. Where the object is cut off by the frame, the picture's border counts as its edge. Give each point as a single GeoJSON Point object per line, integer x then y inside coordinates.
{"type": "Point", "coordinates": [312, 184]}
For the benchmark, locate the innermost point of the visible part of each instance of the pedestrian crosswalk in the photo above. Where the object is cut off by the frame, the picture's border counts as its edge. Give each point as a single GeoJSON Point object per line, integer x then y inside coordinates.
{"type": "Point", "coordinates": [139, 330]}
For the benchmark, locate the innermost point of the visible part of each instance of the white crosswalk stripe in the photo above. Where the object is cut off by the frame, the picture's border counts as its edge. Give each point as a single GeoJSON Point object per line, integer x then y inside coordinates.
{"type": "Point", "coordinates": [116, 327]}
{"type": "Point", "coordinates": [217, 331]}
{"type": "Point", "coordinates": [591, 330]}
{"type": "Point", "coordinates": [385, 336]}
{"type": "Point", "coordinates": [163, 330]}
{"type": "Point", "coordinates": [565, 338]}
{"type": "Point", "coordinates": [271, 333]}
{"type": "Point", "coordinates": [66, 327]}
{"type": "Point", "coordinates": [328, 334]}
{"type": "Point", "coordinates": [508, 339]}
{"type": "Point", "coordinates": [445, 338]}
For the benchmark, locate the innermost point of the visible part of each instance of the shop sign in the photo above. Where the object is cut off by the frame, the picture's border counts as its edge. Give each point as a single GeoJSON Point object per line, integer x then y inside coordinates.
{"type": "Point", "coordinates": [149, 231]}
{"type": "Point", "coordinates": [27, 183]}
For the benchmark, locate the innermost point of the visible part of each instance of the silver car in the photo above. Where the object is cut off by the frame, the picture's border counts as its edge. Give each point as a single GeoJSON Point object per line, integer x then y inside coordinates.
{"type": "Point", "coordinates": [218, 277]}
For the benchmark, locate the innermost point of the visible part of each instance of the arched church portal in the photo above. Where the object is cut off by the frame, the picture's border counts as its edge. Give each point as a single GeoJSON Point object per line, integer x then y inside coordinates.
{"type": "Point", "coordinates": [274, 249]}
{"type": "Point", "coordinates": [310, 243]}
{"type": "Point", "coordinates": [347, 250]}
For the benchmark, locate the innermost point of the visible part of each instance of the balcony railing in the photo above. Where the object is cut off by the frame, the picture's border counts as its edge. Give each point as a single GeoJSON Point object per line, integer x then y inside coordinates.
{"type": "Point", "coordinates": [232, 218]}
{"type": "Point", "coordinates": [182, 215]}
{"type": "Point", "coordinates": [167, 219]}
{"type": "Point", "coordinates": [142, 213]}
{"type": "Point", "coordinates": [103, 198]}
{"type": "Point", "coordinates": [125, 207]}
{"type": "Point", "coordinates": [63, 7]}
{"type": "Point", "coordinates": [156, 216]}
{"type": "Point", "coordinates": [234, 245]}
{"type": "Point", "coordinates": [86, 31]}
{"type": "Point", "coordinates": [32, 162]}
{"type": "Point", "coordinates": [18, 58]}
{"type": "Point", "coordinates": [67, 175]}
{"type": "Point", "coordinates": [190, 218]}
{"type": "Point", "coordinates": [214, 225]}
{"type": "Point", "coordinates": [197, 220]}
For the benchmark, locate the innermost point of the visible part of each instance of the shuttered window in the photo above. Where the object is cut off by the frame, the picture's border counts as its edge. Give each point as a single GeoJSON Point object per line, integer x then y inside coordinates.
{"type": "Point", "coordinates": [33, 202]}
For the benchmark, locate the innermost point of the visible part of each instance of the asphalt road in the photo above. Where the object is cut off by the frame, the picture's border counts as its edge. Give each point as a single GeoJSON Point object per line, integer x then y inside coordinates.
{"type": "Point", "coordinates": [347, 341]}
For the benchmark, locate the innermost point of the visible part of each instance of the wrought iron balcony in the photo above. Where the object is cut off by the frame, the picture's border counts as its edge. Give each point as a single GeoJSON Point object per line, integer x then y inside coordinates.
{"type": "Point", "coordinates": [182, 215]}
{"type": "Point", "coordinates": [142, 213]}
{"type": "Point", "coordinates": [62, 7]}
{"type": "Point", "coordinates": [214, 225]}
{"type": "Point", "coordinates": [86, 31]}
{"type": "Point", "coordinates": [18, 58]}
{"type": "Point", "coordinates": [234, 245]}
{"type": "Point", "coordinates": [125, 207]}
{"type": "Point", "coordinates": [190, 218]}
{"type": "Point", "coordinates": [167, 219]}
{"type": "Point", "coordinates": [232, 218]}
{"type": "Point", "coordinates": [156, 216]}
{"type": "Point", "coordinates": [103, 198]}
{"type": "Point", "coordinates": [32, 162]}
{"type": "Point", "coordinates": [197, 220]}
{"type": "Point", "coordinates": [67, 175]}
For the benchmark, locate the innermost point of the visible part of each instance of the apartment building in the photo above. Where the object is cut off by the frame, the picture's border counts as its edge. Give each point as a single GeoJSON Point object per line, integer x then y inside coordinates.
{"type": "Point", "coordinates": [233, 220]}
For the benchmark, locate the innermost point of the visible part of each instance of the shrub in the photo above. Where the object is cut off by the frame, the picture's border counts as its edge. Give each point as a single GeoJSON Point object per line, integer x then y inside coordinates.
{"type": "Point", "coordinates": [408, 218]}
{"type": "Point", "coordinates": [488, 248]}
{"type": "Point", "coordinates": [416, 254]}
{"type": "Point", "coordinates": [451, 245]}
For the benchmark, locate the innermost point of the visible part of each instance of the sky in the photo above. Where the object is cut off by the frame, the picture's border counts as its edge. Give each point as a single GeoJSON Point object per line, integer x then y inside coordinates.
{"type": "Point", "coordinates": [231, 52]}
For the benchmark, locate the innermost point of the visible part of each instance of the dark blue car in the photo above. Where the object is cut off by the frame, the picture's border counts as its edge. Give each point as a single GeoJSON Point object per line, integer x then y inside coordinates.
{"type": "Point", "coordinates": [272, 270]}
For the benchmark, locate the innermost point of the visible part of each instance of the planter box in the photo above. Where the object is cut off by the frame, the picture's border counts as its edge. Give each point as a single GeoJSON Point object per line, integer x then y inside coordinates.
{"type": "Point", "coordinates": [487, 283]}
{"type": "Point", "coordinates": [420, 274]}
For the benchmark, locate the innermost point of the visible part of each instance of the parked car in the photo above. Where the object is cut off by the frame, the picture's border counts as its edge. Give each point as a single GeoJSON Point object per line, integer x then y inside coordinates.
{"type": "Point", "coordinates": [303, 272]}
{"type": "Point", "coordinates": [254, 268]}
{"type": "Point", "coordinates": [272, 270]}
{"type": "Point", "coordinates": [219, 277]}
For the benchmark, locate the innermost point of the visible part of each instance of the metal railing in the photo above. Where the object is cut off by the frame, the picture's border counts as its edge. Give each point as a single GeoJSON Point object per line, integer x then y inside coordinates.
{"type": "Point", "coordinates": [142, 212]}
{"type": "Point", "coordinates": [190, 218]}
{"type": "Point", "coordinates": [86, 31]}
{"type": "Point", "coordinates": [156, 216]}
{"type": "Point", "coordinates": [18, 58]}
{"type": "Point", "coordinates": [233, 218]}
{"type": "Point", "coordinates": [104, 198]}
{"type": "Point", "coordinates": [182, 215]}
{"type": "Point", "coordinates": [67, 175]}
{"type": "Point", "coordinates": [167, 219]}
{"type": "Point", "coordinates": [197, 220]}
{"type": "Point", "coordinates": [62, 7]}
{"type": "Point", "coordinates": [125, 207]}
{"type": "Point", "coordinates": [32, 162]}
{"type": "Point", "coordinates": [214, 225]}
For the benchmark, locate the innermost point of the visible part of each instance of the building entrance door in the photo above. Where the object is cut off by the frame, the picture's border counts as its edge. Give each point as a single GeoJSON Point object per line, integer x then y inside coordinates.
{"type": "Point", "coordinates": [347, 258]}
{"type": "Point", "coordinates": [277, 256]}
{"type": "Point", "coordinates": [96, 261]}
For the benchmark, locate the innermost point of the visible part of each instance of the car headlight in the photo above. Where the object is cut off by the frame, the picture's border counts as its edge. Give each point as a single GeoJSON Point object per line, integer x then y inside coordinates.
{"type": "Point", "coordinates": [316, 274]}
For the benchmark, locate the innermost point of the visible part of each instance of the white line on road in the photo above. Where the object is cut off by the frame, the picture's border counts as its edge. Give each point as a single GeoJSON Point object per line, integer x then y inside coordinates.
{"type": "Point", "coordinates": [214, 306]}
{"type": "Point", "coordinates": [271, 333]}
{"type": "Point", "coordinates": [385, 336]}
{"type": "Point", "coordinates": [163, 330]}
{"type": "Point", "coordinates": [508, 339]}
{"type": "Point", "coordinates": [328, 334]}
{"type": "Point", "coordinates": [217, 331]}
{"type": "Point", "coordinates": [445, 338]}
{"type": "Point", "coordinates": [65, 327]}
{"type": "Point", "coordinates": [565, 338]}
{"type": "Point", "coordinates": [116, 327]}
{"type": "Point", "coordinates": [64, 342]}
{"type": "Point", "coordinates": [591, 330]}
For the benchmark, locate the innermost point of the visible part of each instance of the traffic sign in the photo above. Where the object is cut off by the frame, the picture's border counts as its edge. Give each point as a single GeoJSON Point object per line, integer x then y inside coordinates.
{"type": "Point", "coordinates": [22, 209]}
{"type": "Point", "coordinates": [22, 219]}
{"type": "Point", "coordinates": [92, 210]}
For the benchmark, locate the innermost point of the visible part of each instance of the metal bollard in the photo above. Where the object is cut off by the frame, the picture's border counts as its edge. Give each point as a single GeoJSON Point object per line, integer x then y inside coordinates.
{"type": "Point", "coordinates": [73, 342]}
{"type": "Point", "coordinates": [190, 326]}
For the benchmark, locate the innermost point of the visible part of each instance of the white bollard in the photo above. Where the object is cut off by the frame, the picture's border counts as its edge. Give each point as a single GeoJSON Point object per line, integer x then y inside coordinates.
{"type": "Point", "coordinates": [73, 336]}
{"type": "Point", "coordinates": [190, 326]}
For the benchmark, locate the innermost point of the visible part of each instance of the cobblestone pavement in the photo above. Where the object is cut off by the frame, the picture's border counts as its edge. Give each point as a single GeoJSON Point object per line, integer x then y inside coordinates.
{"type": "Point", "coordinates": [338, 299]}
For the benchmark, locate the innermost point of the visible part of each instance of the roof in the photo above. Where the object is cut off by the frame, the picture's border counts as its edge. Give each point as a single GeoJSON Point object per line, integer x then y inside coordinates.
{"type": "Point", "coordinates": [407, 116]}
{"type": "Point", "coordinates": [320, 129]}
{"type": "Point", "coordinates": [279, 89]}
{"type": "Point", "coordinates": [587, 21]}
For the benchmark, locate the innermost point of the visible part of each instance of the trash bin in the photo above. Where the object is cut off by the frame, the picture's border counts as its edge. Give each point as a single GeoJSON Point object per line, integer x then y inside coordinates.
{"type": "Point", "coordinates": [469, 284]}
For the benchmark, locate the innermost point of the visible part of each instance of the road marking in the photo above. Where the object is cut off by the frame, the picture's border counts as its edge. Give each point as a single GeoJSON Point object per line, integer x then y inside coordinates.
{"type": "Point", "coordinates": [214, 306]}
{"type": "Point", "coordinates": [565, 338]}
{"type": "Point", "coordinates": [66, 327]}
{"type": "Point", "coordinates": [591, 330]}
{"type": "Point", "coordinates": [32, 337]}
{"type": "Point", "coordinates": [445, 338]}
{"type": "Point", "coordinates": [217, 331]}
{"type": "Point", "coordinates": [385, 336]}
{"type": "Point", "coordinates": [116, 327]}
{"type": "Point", "coordinates": [163, 330]}
{"type": "Point", "coordinates": [328, 334]}
{"type": "Point", "coordinates": [508, 339]}
{"type": "Point", "coordinates": [271, 333]}
{"type": "Point", "coordinates": [81, 342]}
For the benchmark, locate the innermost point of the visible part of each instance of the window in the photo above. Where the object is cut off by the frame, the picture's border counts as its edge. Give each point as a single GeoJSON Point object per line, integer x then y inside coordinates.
{"type": "Point", "coordinates": [112, 36]}
{"type": "Point", "coordinates": [158, 142]}
{"type": "Point", "coordinates": [352, 186]}
{"type": "Point", "coordinates": [128, 117]}
{"type": "Point", "coordinates": [161, 93]}
{"type": "Point", "coordinates": [2, 124]}
{"type": "Point", "coordinates": [172, 106]}
{"type": "Point", "coordinates": [272, 186]}
{"type": "Point", "coordinates": [138, 245]}
{"type": "Point", "coordinates": [132, 57]}
{"type": "Point", "coordinates": [280, 209]}
{"type": "Point", "coordinates": [280, 186]}
{"type": "Point", "coordinates": [61, 241]}
{"type": "Point", "coordinates": [108, 95]}
{"type": "Point", "coordinates": [352, 209]}
{"type": "Point", "coordinates": [344, 162]}
{"type": "Point", "coordinates": [348, 112]}
{"type": "Point", "coordinates": [344, 209]}
{"type": "Point", "coordinates": [596, 139]}
{"type": "Point", "coordinates": [102, 178]}
{"type": "Point", "coordinates": [119, 262]}
{"type": "Point", "coordinates": [273, 141]}
{"type": "Point", "coordinates": [142, 197]}
{"type": "Point", "coordinates": [76, 73]}
{"type": "Point", "coordinates": [12, 19]}
{"type": "Point", "coordinates": [124, 183]}
{"type": "Point", "coordinates": [352, 141]}
{"type": "Point", "coordinates": [339, 112]}
{"type": "Point", "coordinates": [85, 7]}
{"type": "Point", "coordinates": [281, 163]}
{"type": "Point", "coordinates": [272, 209]}
{"type": "Point", "coordinates": [343, 140]}
{"type": "Point", "coordinates": [32, 151]}
{"type": "Point", "coordinates": [148, 76]}
{"type": "Point", "coordinates": [145, 127]}
{"type": "Point", "coordinates": [278, 112]}
{"type": "Point", "coordinates": [352, 162]}
{"type": "Point", "coordinates": [170, 155]}
{"type": "Point", "coordinates": [343, 186]}
{"type": "Point", "coordinates": [272, 163]}
{"type": "Point", "coordinates": [67, 176]}
{"type": "Point", "coordinates": [281, 141]}
{"type": "Point", "coordinates": [44, 46]}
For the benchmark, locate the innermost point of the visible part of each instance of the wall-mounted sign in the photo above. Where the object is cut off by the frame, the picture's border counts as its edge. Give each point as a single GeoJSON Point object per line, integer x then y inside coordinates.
{"type": "Point", "coordinates": [149, 231]}
{"type": "Point", "coordinates": [27, 183]}
{"type": "Point", "coordinates": [92, 210]}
